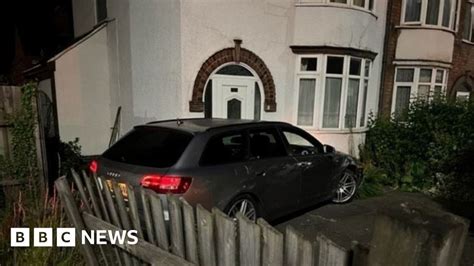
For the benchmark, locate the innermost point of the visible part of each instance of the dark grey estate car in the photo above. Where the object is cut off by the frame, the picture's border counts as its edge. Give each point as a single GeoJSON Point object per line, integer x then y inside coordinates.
{"type": "Point", "coordinates": [263, 169]}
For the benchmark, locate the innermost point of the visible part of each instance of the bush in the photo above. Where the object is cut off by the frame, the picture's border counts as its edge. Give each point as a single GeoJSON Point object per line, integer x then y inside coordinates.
{"type": "Point", "coordinates": [428, 148]}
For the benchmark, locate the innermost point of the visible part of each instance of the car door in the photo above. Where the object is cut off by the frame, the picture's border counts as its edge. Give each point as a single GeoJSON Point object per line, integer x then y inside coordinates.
{"type": "Point", "coordinates": [276, 173]}
{"type": "Point", "coordinates": [316, 167]}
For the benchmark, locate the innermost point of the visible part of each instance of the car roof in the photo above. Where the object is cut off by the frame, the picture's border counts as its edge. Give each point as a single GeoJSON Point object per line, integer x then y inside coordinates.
{"type": "Point", "coordinates": [196, 125]}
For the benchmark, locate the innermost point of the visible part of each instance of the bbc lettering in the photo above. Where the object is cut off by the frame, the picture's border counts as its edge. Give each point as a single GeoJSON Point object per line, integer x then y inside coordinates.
{"type": "Point", "coordinates": [66, 237]}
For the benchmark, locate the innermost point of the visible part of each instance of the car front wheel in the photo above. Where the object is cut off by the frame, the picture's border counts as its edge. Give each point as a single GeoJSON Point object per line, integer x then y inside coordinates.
{"type": "Point", "coordinates": [346, 188]}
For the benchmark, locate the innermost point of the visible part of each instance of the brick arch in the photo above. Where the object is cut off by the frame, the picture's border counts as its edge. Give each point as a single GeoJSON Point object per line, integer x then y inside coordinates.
{"type": "Point", "coordinates": [233, 55]}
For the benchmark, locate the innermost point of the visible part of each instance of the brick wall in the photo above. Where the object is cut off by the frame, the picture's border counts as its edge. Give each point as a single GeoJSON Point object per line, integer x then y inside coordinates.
{"type": "Point", "coordinates": [463, 55]}
{"type": "Point", "coordinates": [393, 20]}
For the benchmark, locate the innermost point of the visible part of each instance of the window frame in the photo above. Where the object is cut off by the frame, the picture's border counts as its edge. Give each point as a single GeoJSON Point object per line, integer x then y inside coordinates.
{"type": "Point", "coordinates": [424, 12]}
{"type": "Point", "coordinates": [278, 137]}
{"type": "Point", "coordinates": [471, 24]}
{"type": "Point", "coordinates": [348, 4]}
{"type": "Point", "coordinates": [414, 85]}
{"type": "Point", "coordinates": [320, 75]}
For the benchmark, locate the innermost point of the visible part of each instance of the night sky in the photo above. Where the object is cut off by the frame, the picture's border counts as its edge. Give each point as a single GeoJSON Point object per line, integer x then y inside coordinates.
{"type": "Point", "coordinates": [43, 26]}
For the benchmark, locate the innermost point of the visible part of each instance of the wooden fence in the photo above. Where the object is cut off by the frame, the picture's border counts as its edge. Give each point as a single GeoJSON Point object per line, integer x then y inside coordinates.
{"type": "Point", "coordinates": [191, 236]}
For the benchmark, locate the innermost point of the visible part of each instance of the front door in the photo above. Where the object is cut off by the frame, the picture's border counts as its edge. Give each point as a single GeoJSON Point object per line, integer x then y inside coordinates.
{"type": "Point", "coordinates": [233, 97]}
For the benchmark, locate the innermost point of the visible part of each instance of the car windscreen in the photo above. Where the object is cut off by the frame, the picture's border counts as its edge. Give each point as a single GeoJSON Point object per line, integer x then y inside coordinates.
{"type": "Point", "coordinates": [150, 146]}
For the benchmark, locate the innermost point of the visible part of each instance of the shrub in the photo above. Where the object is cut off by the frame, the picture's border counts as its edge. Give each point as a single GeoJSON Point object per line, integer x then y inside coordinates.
{"type": "Point", "coordinates": [427, 149]}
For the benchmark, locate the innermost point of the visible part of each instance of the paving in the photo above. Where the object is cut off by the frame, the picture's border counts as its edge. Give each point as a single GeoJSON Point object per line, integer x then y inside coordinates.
{"type": "Point", "coordinates": [354, 221]}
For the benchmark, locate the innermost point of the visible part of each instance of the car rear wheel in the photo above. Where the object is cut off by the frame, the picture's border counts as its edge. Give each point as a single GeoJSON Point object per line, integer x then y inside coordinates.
{"type": "Point", "coordinates": [346, 188]}
{"type": "Point", "coordinates": [244, 204]}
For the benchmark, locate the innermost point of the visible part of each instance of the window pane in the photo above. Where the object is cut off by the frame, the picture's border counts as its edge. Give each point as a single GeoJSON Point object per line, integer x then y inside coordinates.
{"type": "Point", "coordinates": [405, 74]}
{"type": "Point", "coordinates": [371, 4]}
{"type": "Point", "coordinates": [335, 65]}
{"type": "Point", "coordinates": [402, 99]}
{"type": "Point", "coordinates": [299, 145]}
{"type": "Point", "coordinates": [447, 13]}
{"type": "Point", "coordinates": [150, 146]}
{"type": "Point", "coordinates": [425, 75]}
{"type": "Point", "coordinates": [437, 91]}
{"type": "Point", "coordinates": [355, 67]}
{"type": "Point", "coordinates": [412, 10]}
{"type": "Point", "coordinates": [472, 22]}
{"type": "Point", "coordinates": [332, 102]}
{"type": "Point", "coordinates": [306, 102]}
{"type": "Point", "coordinates": [364, 103]}
{"type": "Point", "coordinates": [433, 12]}
{"type": "Point", "coordinates": [360, 3]}
{"type": "Point", "coordinates": [258, 102]}
{"type": "Point", "coordinates": [234, 109]}
{"type": "Point", "coordinates": [308, 64]}
{"type": "Point", "coordinates": [352, 103]}
{"type": "Point", "coordinates": [367, 68]}
{"type": "Point", "coordinates": [223, 149]}
{"type": "Point", "coordinates": [439, 76]}
{"type": "Point", "coordinates": [423, 92]}
{"type": "Point", "coordinates": [467, 22]}
{"type": "Point", "coordinates": [265, 144]}
{"type": "Point", "coordinates": [338, 1]}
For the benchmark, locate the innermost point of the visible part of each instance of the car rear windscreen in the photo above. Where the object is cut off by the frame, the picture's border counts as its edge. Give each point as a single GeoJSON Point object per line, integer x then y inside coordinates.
{"type": "Point", "coordinates": [150, 146]}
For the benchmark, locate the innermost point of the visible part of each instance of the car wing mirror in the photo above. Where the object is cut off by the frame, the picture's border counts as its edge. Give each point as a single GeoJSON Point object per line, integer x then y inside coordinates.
{"type": "Point", "coordinates": [329, 149]}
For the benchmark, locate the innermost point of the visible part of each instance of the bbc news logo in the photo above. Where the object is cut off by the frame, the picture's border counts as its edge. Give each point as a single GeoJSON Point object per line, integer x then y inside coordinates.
{"type": "Point", "coordinates": [66, 237]}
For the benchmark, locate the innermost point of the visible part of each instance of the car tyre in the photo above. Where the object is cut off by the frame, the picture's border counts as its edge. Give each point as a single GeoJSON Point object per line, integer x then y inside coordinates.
{"type": "Point", "coordinates": [346, 188]}
{"type": "Point", "coordinates": [245, 204]}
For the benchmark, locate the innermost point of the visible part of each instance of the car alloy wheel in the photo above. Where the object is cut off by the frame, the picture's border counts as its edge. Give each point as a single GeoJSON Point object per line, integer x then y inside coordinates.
{"type": "Point", "coordinates": [244, 206]}
{"type": "Point", "coordinates": [346, 188]}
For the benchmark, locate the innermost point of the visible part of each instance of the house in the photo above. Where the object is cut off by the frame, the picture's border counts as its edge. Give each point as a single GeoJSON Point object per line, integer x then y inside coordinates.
{"type": "Point", "coordinates": [429, 51]}
{"type": "Point", "coordinates": [323, 65]}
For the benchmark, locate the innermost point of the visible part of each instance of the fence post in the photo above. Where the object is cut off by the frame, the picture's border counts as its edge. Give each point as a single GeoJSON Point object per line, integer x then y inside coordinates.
{"type": "Point", "coordinates": [72, 212]}
{"type": "Point", "coordinates": [249, 241]}
{"type": "Point", "coordinates": [205, 226]}
{"type": "Point", "coordinates": [272, 245]}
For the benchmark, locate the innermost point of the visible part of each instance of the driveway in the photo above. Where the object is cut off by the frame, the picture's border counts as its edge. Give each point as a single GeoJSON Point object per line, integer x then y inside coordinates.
{"type": "Point", "coordinates": [355, 221]}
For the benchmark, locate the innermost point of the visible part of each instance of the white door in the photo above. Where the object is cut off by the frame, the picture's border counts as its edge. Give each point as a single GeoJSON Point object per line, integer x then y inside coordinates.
{"type": "Point", "coordinates": [233, 97]}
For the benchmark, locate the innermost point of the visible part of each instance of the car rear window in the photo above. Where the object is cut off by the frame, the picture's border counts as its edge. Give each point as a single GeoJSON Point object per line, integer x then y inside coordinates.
{"type": "Point", "coordinates": [150, 146]}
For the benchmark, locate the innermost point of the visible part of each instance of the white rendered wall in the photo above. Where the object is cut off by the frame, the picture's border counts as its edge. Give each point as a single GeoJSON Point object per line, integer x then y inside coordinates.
{"type": "Point", "coordinates": [437, 45]}
{"type": "Point", "coordinates": [83, 94]}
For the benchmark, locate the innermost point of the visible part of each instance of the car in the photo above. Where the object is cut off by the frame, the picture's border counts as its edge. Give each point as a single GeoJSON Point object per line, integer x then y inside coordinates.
{"type": "Point", "coordinates": [262, 169]}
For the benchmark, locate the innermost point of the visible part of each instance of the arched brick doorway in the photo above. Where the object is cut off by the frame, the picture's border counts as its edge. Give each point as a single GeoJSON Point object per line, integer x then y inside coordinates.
{"type": "Point", "coordinates": [234, 55]}
{"type": "Point", "coordinates": [463, 87]}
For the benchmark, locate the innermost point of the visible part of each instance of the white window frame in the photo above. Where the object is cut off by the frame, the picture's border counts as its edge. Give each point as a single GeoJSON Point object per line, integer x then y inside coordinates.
{"type": "Point", "coordinates": [423, 14]}
{"type": "Point", "coordinates": [462, 94]}
{"type": "Point", "coordinates": [320, 75]}
{"type": "Point", "coordinates": [349, 3]}
{"type": "Point", "coordinates": [471, 24]}
{"type": "Point", "coordinates": [416, 83]}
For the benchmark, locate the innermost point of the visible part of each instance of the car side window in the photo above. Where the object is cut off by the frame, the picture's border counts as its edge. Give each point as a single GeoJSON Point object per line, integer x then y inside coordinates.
{"type": "Point", "coordinates": [223, 149]}
{"type": "Point", "coordinates": [265, 143]}
{"type": "Point", "coordinates": [299, 144]}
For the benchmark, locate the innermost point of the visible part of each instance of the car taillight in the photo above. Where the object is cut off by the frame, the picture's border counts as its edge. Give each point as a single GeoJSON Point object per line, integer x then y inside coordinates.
{"type": "Point", "coordinates": [166, 184]}
{"type": "Point", "coordinates": [94, 166]}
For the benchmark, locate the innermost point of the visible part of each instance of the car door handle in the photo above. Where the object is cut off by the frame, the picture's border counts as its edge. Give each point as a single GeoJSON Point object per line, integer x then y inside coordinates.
{"type": "Point", "coordinates": [304, 164]}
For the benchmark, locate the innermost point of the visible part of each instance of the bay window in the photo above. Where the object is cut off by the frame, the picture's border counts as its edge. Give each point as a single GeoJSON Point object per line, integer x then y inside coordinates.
{"type": "Point", "coordinates": [422, 83]}
{"type": "Point", "coordinates": [365, 4]}
{"type": "Point", "coordinates": [332, 94]}
{"type": "Point", "coordinates": [438, 13]}
{"type": "Point", "coordinates": [468, 32]}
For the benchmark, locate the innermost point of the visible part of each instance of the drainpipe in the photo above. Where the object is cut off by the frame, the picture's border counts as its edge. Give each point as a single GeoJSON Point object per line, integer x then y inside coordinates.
{"type": "Point", "coordinates": [388, 34]}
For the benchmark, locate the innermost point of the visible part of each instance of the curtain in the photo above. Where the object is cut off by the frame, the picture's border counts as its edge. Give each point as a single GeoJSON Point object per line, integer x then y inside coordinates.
{"type": "Point", "coordinates": [447, 13]}
{"type": "Point", "coordinates": [467, 22]}
{"type": "Point", "coordinates": [332, 103]}
{"type": "Point", "coordinates": [425, 75]}
{"type": "Point", "coordinates": [364, 103]}
{"type": "Point", "coordinates": [306, 102]}
{"type": "Point", "coordinates": [352, 103]}
{"type": "Point", "coordinates": [423, 92]}
{"type": "Point", "coordinates": [405, 74]}
{"type": "Point", "coordinates": [433, 12]}
{"type": "Point", "coordinates": [402, 100]}
{"type": "Point", "coordinates": [412, 10]}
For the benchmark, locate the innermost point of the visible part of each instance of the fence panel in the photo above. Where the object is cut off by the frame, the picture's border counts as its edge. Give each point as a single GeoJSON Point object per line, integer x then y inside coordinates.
{"type": "Point", "coordinates": [188, 236]}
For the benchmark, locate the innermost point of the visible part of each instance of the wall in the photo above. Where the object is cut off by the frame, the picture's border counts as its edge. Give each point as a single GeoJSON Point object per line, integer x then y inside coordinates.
{"type": "Point", "coordinates": [463, 55]}
{"type": "Point", "coordinates": [437, 45]}
{"type": "Point", "coordinates": [82, 79]}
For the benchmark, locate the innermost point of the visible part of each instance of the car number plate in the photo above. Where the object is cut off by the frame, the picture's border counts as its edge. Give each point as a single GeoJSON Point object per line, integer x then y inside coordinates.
{"type": "Point", "coordinates": [122, 186]}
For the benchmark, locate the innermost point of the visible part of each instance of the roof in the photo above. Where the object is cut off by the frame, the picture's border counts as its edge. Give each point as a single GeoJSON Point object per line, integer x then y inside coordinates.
{"type": "Point", "coordinates": [195, 125]}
